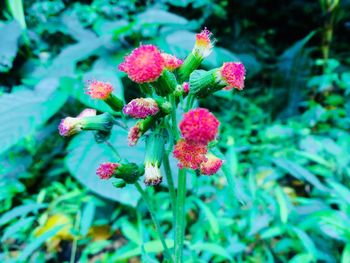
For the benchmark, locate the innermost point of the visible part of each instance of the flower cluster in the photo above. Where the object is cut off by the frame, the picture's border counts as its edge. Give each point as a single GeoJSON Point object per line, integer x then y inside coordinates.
{"type": "Point", "coordinates": [198, 127]}
{"type": "Point", "coordinates": [166, 82]}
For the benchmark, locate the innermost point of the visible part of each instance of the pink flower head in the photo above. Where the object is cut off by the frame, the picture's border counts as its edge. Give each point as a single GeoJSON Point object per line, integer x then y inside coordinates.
{"type": "Point", "coordinates": [99, 89]}
{"type": "Point", "coordinates": [186, 87]}
{"type": "Point", "coordinates": [189, 154]}
{"type": "Point", "coordinates": [106, 170]}
{"type": "Point", "coordinates": [141, 108]}
{"type": "Point", "coordinates": [144, 64]}
{"type": "Point", "coordinates": [232, 74]}
{"type": "Point", "coordinates": [134, 135]}
{"type": "Point", "coordinates": [199, 125]}
{"type": "Point", "coordinates": [70, 125]}
{"type": "Point", "coordinates": [204, 43]}
{"type": "Point", "coordinates": [211, 165]}
{"type": "Point", "coordinates": [171, 62]}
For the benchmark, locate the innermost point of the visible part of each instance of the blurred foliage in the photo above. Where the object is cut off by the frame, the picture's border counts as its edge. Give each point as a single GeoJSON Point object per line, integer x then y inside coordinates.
{"type": "Point", "coordinates": [285, 138]}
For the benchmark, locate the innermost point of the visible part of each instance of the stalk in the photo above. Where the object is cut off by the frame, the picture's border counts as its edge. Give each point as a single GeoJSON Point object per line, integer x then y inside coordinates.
{"type": "Point", "coordinates": [171, 186]}
{"type": "Point", "coordinates": [180, 216]}
{"type": "Point", "coordinates": [154, 219]}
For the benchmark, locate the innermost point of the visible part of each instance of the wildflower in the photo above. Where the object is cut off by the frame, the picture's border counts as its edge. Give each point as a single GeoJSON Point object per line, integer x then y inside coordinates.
{"type": "Point", "coordinates": [153, 159]}
{"type": "Point", "coordinates": [141, 108]}
{"type": "Point", "coordinates": [103, 91]}
{"type": "Point", "coordinates": [202, 49]}
{"type": "Point", "coordinates": [106, 170]}
{"type": "Point", "coordinates": [144, 64]}
{"type": "Point", "coordinates": [87, 120]}
{"type": "Point", "coordinates": [171, 62]}
{"type": "Point", "coordinates": [134, 134]}
{"type": "Point", "coordinates": [99, 89]}
{"type": "Point", "coordinates": [189, 154]}
{"type": "Point", "coordinates": [186, 87]}
{"type": "Point", "coordinates": [232, 75]}
{"type": "Point", "coordinates": [204, 44]}
{"type": "Point", "coordinates": [211, 165]}
{"type": "Point", "coordinates": [199, 125]}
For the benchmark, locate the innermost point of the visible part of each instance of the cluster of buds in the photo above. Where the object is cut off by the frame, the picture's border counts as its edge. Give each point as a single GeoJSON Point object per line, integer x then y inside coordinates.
{"type": "Point", "coordinates": [165, 81]}
{"type": "Point", "coordinates": [198, 128]}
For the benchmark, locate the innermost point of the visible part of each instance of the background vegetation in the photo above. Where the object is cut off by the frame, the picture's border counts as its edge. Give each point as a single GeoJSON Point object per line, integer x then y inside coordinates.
{"type": "Point", "coordinates": [285, 138]}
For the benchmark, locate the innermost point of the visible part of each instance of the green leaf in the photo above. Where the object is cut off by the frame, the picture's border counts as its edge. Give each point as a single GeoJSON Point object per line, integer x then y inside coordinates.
{"type": "Point", "coordinates": [341, 191]}
{"type": "Point", "coordinates": [213, 221]}
{"type": "Point", "coordinates": [85, 155]}
{"type": "Point", "coordinates": [345, 256]}
{"type": "Point", "coordinates": [37, 242]}
{"type": "Point", "coordinates": [307, 242]}
{"type": "Point", "coordinates": [16, 9]}
{"type": "Point", "coordinates": [282, 204]}
{"type": "Point", "coordinates": [130, 232]}
{"type": "Point", "coordinates": [212, 248]}
{"type": "Point", "coordinates": [299, 172]}
{"type": "Point", "coordinates": [23, 111]}
{"type": "Point", "coordinates": [20, 211]}
{"type": "Point", "coordinates": [87, 217]}
{"type": "Point", "coordinates": [10, 34]}
{"type": "Point", "coordinates": [18, 226]}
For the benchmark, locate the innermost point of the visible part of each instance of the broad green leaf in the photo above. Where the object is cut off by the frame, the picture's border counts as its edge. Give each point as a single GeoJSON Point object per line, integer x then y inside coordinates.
{"type": "Point", "coordinates": [10, 34]}
{"type": "Point", "coordinates": [23, 111]}
{"type": "Point", "coordinates": [85, 155]}
{"type": "Point", "coordinates": [36, 243]}
{"type": "Point", "coordinates": [20, 211]}
{"type": "Point", "coordinates": [212, 248]}
{"type": "Point", "coordinates": [299, 172]}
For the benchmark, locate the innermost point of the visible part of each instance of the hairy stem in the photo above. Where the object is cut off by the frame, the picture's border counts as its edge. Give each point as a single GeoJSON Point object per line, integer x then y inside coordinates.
{"type": "Point", "coordinates": [180, 216]}
{"type": "Point", "coordinates": [154, 219]}
{"type": "Point", "coordinates": [171, 186]}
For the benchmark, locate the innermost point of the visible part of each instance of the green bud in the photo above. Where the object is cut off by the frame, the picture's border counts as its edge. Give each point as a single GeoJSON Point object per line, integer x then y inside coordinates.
{"type": "Point", "coordinates": [129, 172]}
{"type": "Point", "coordinates": [119, 183]}
{"type": "Point", "coordinates": [190, 64]}
{"type": "Point", "coordinates": [204, 83]}
{"type": "Point", "coordinates": [154, 154]}
{"type": "Point", "coordinates": [114, 102]}
{"type": "Point", "coordinates": [165, 84]}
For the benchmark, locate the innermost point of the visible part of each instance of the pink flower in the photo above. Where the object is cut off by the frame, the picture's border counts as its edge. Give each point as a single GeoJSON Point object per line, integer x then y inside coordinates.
{"type": "Point", "coordinates": [171, 62]}
{"type": "Point", "coordinates": [144, 64]}
{"type": "Point", "coordinates": [199, 125]}
{"type": "Point", "coordinates": [211, 165]}
{"type": "Point", "coordinates": [232, 74]}
{"type": "Point", "coordinates": [72, 125]}
{"type": "Point", "coordinates": [186, 87]}
{"type": "Point", "coordinates": [189, 154]}
{"type": "Point", "coordinates": [106, 170]}
{"type": "Point", "coordinates": [141, 108]}
{"type": "Point", "coordinates": [204, 43]}
{"type": "Point", "coordinates": [99, 89]}
{"type": "Point", "coordinates": [134, 135]}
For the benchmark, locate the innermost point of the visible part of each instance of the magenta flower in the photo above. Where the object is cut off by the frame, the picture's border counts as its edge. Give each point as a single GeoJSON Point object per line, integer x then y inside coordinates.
{"type": "Point", "coordinates": [99, 89]}
{"type": "Point", "coordinates": [141, 108]}
{"type": "Point", "coordinates": [232, 74]}
{"type": "Point", "coordinates": [171, 62]}
{"type": "Point", "coordinates": [189, 154]}
{"type": "Point", "coordinates": [106, 170]}
{"type": "Point", "coordinates": [211, 166]}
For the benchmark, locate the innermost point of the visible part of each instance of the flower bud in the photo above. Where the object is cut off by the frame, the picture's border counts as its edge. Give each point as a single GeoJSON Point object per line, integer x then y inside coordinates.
{"type": "Point", "coordinates": [141, 108]}
{"type": "Point", "coordinates": [211, 166]}
{"type": "Point", "coordinates": [199, 125]}
{"type": "Point", "coordinates": [107, 170]}
{"type": "Point", "coordinates": [189, 154]}
{"type": "Point", "coordinates": [87, 120]}
{"type": "Point", "coordinates": [202, 48]}
{"type": "Point", "coordinates": [171, 62]}
{"type": "Point", "coordinates": [129, 172]}
{"type": "Point", "coordinates": [145, 64]}
{"type": "Point", "coordinates": [153, 159]}
{"type": "Point", "coordinates": [165, 84]}
{"type": "Point", "coordinates": [119, 183]}
{"type": "Point", "coordinates": [103, 91]}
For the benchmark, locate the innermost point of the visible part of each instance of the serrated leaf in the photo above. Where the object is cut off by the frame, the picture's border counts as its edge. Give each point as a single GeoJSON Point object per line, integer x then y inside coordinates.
{"type": "Point", "coordinates": [23, 111]}
{"type": "Point", "coordinates": [85, 155]}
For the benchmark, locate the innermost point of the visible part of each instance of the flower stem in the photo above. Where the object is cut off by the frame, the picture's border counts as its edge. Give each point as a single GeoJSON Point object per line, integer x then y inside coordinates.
{"type": "Point", "coordinates": [180, 216]}
{"type": "Point", "coordinates": [154, 219]}
{"type": "Point", "coordinates": [171, 186]}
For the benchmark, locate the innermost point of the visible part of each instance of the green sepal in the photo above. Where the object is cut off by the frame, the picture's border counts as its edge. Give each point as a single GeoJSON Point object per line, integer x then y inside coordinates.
{"type": "Point", "coordinates": [129, 172]}
{"type": "Point", "coordinates": [203, 83]}
{"type": "Point", "coordinates": [165, 84]}
{"type": "Point", "coordinates": [103, 122]}
{"type": "Point", "coordinates": [190, 64]}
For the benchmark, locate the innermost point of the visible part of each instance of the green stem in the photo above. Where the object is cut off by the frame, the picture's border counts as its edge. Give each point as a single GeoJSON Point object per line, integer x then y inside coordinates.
{"type": "Point", "coordinates": [154, 219]}
{"type": "Point", "coordinates": [171, 186]}
{"type": "Point", "coordinates": [173, 117]}
{"type": "Point", "coordinates": [180, 216]}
